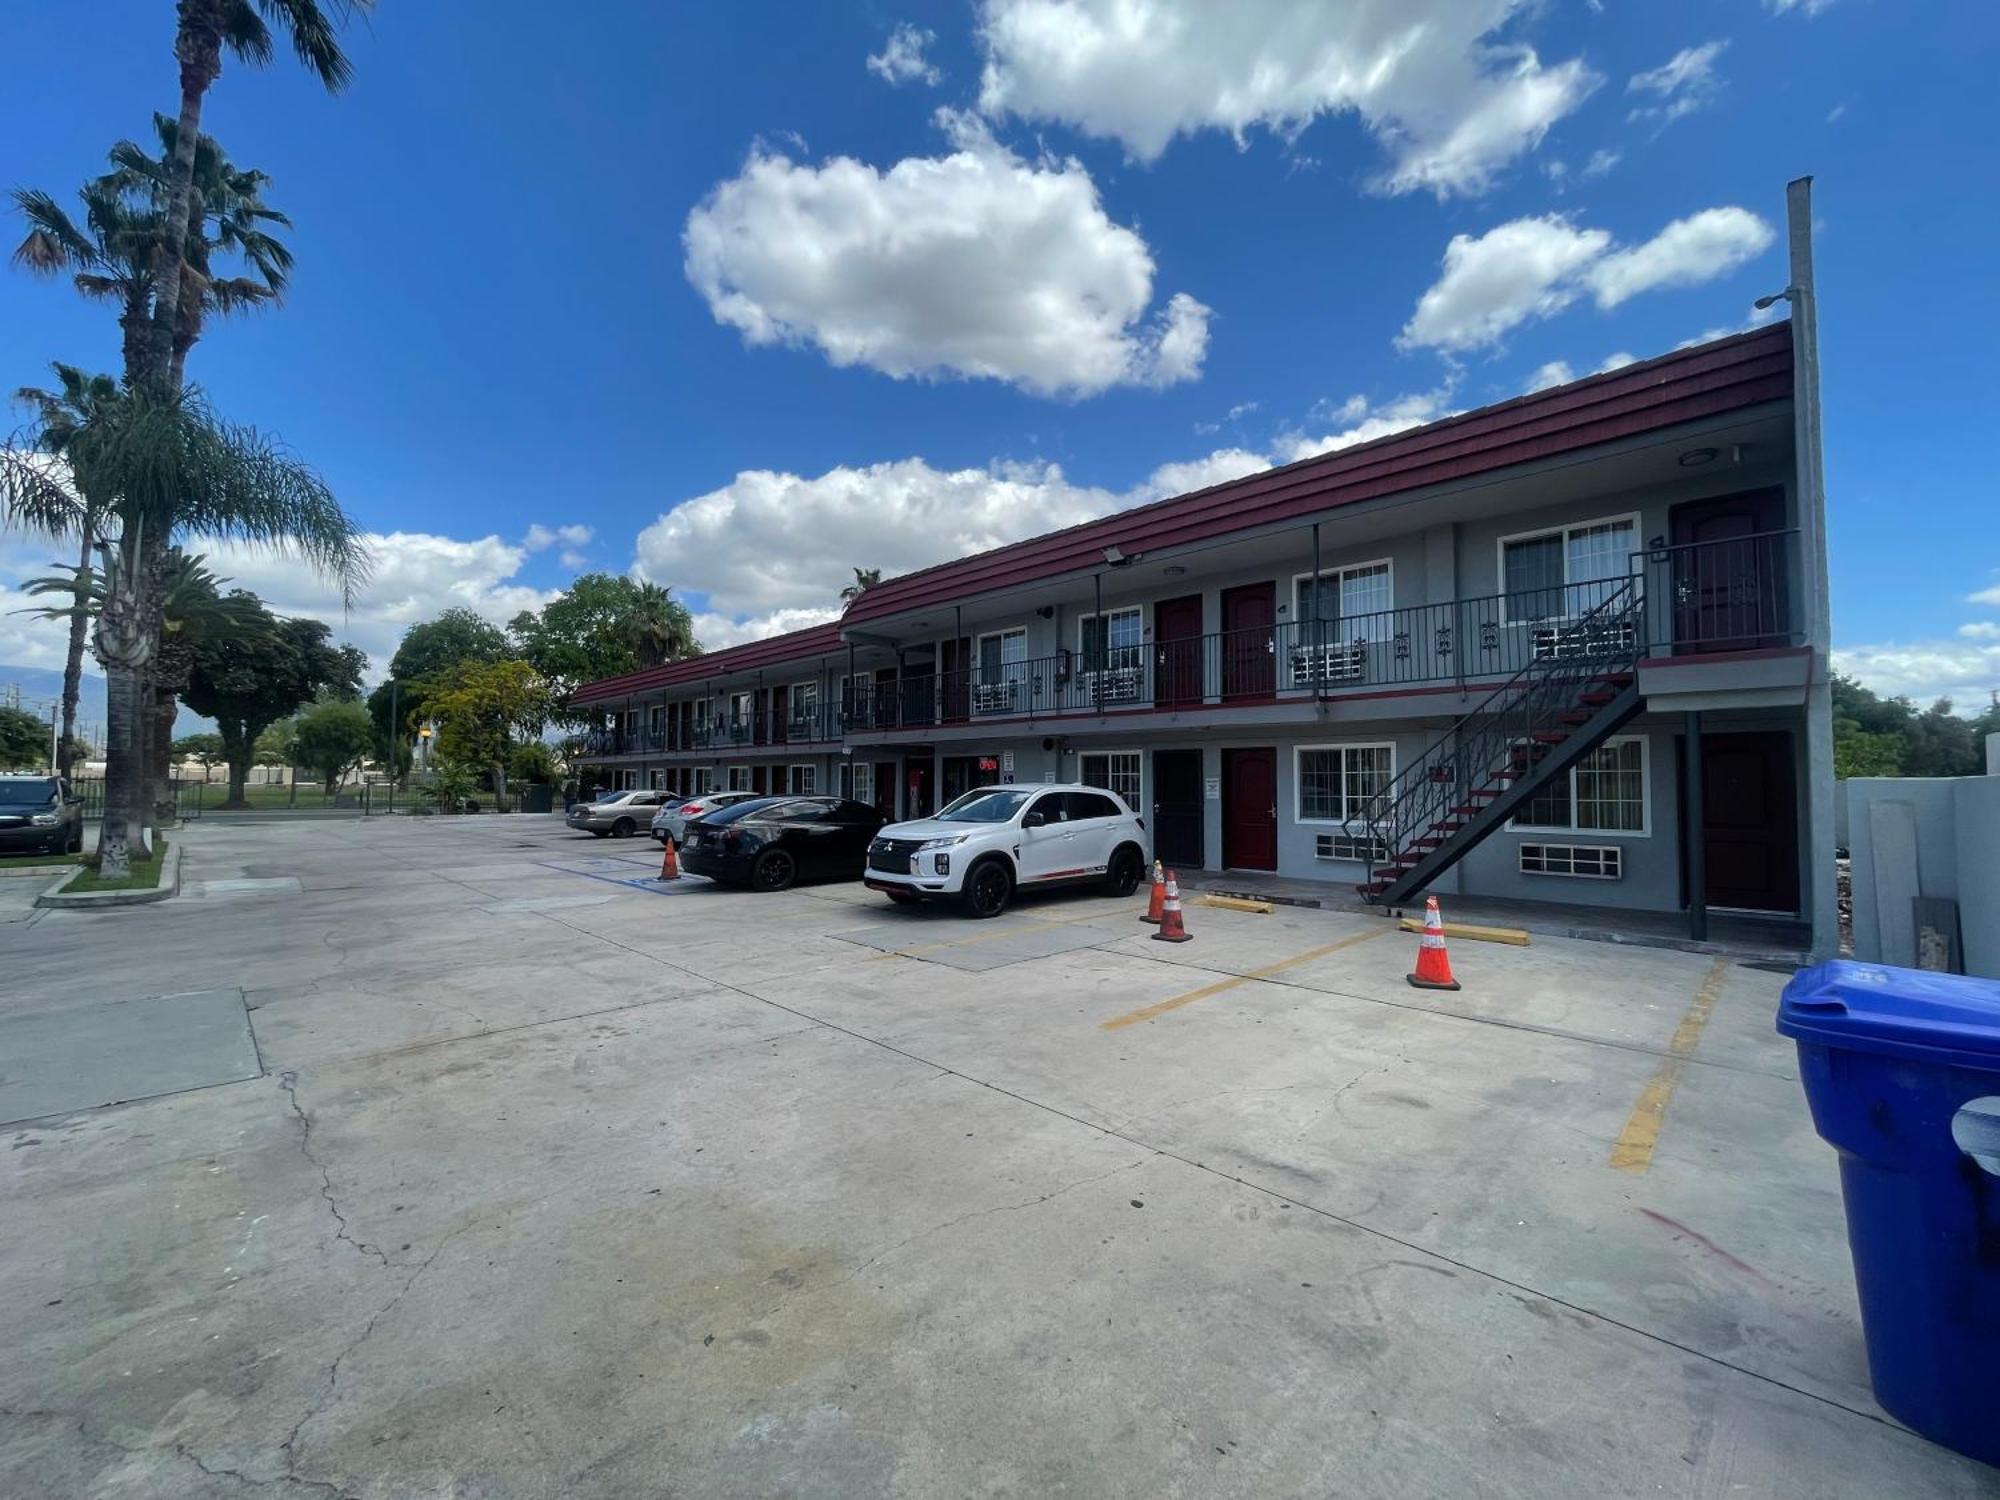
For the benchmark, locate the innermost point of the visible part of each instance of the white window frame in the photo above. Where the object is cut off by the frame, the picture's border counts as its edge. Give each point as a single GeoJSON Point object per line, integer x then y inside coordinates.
{"type": "Point", "coordinates": [1138, 774]}
{"type": "Point", "coordinates": [1338, 572]}
{"type": "Point", "coordinates": [1299, 780]}
{"type": "Point", "coordinates": [628, 781]}
{"type": "Point", "coordinates": [979, 655]}
{"type": "Point", "coordinates": [1573, 834]}
{"type": "Point", "coordinates": [801, 779]}
{"type": "Point", "coordinates": [656, 780]}
{"type": "Point", "coordinates": [704, 781]}
{"type": "Point", "coordinates": [736, 779]}
{"type": "Point", "coordinates": [807, 691]}
{"type": "Point", "coordinates": [862, 774]}
{"type": "Point", "coordinates": [1562, 530]}
{"type": "Point", "coordinates": [1111, 664]}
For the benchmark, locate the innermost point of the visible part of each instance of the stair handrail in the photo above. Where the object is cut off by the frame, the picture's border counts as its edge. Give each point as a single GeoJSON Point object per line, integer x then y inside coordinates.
{"type": "Point", "coordinates": [1513, 712]}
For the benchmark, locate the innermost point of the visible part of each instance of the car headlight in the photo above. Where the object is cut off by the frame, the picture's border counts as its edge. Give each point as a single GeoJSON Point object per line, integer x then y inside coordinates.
{"type": "Point", "coordinates": [45, 820]}
{"type": "Point", "coordinates": [951, 841]}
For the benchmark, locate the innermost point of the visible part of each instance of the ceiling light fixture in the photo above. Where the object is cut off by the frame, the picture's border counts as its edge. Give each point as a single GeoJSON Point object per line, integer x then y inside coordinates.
{"type": "Point", "coordinates": [1694, 458]}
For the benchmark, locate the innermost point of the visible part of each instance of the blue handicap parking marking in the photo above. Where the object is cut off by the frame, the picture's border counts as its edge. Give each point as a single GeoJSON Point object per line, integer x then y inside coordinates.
{"type": "Point", "coordinates": [602, 866]}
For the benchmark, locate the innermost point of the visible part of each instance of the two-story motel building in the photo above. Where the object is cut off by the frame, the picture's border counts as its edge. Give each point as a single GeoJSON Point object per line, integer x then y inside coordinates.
{"type": "Point", "coordinates": [1570, 648]}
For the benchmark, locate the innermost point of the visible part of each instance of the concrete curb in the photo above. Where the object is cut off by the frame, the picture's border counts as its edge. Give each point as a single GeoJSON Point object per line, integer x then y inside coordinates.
{"type": "Point", "coordinates": [169, 886]}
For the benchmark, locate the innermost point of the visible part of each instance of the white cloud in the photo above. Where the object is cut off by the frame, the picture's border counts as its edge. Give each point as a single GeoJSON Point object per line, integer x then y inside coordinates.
{"type": "Point", "coordinates": [1451, 101]}
{"type": "Point", "coordinates": [1526, 268]}
{"type": "Point", "coordinates": [1687, 252]}
{"type": "Point", "coordinates": [1803, 7]}
{"type": "Point", "coordinates": [1535, 267]}
{"type": "Point", "coordinates": [975, 265]}
{"type": "Point", "coordinates": [1680, 86]}
{"type": "Point", "coordinates": [1361, 421]}
{"type": "Point", "coordinates": [1601, 161]}
{"type": "Point", "coordinates": [1926, 670]}
{"type": "Point", "coordinates": [1980, 630]}
{"type": "Point", "coordinates": [1555, 372]}
{"type": "Point", "coordinates": [902, 59]}
{"type": "Point", "coordinates": [540, 538]}
{"type": "Point", "coordinates": [1616, 361]}
{"type": "Point", "coordinates": [417, 576]}
{"type": "Point", "coordinates": [1985, 596]}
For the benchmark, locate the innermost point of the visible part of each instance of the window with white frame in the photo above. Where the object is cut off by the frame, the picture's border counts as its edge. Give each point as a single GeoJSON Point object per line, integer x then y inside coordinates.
{"type": "Point", "coordinates": [704, 780]}
{"type": "Point", "coordinates": [1111, 641]}
{"type": "Point", "coordinates": [1343, 600]}
{"type": "Point", "coordinates": [1336, 782]}
{"type": "Point", "coordinates": [1115, 771]}
{"type": "Point", "coordinates": [656, 781]}
{"type": "Point", "coordinates": [1003, 656]}
{"type": "Point", "coordinates": [741, 706]}
{"type": "Point", "coordinates": [628, 781]}
{"type": "Point", "coordinates": [802, 781]}
{"type": "Point", "coordinates": [805, 701]}
{"type": "Point", "coordinates": [1566, 570]}
{"type": "Point", "coordinates": [739, 779]}
{"type": "Point", "coordinates": [864, 782]}
{"type": "Point", "coordinates": [1605, 792]}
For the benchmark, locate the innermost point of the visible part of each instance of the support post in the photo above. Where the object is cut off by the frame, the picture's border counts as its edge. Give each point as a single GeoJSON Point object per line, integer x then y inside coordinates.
{"type": "Point", "coordinates": [1314, 641]}
{"type": "Point", "coordinates": [1694, 850]}
{"type": "Point", "coordinates": [1821, 789]}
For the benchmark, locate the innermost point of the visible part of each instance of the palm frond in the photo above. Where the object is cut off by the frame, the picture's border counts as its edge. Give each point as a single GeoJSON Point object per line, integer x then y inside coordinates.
{"type": "Point", "coordinates": [54, 243]}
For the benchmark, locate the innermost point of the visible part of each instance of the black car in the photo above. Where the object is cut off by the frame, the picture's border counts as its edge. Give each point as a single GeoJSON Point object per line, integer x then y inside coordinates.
{"type": "Point", "coordinates": [770, 842]}
{"type": "Point", "coordinates": [39, 816]}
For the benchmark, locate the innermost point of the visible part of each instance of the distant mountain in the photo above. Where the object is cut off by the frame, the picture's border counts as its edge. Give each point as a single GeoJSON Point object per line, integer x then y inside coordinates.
{"type": "Point", "coordinates": [42, 686]}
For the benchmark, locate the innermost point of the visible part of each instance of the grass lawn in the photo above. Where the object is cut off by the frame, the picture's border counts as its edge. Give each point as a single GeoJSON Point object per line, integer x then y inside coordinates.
{"type": "Point", "coordinates": [145, 874]}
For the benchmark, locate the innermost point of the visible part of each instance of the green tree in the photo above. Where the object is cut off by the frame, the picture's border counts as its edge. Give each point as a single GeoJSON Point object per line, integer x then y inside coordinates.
{"type": "Point", "coordinates": [24, 740]}
{"type": "Point", "coordinates": [603, 625]}
{"type": "Point", "coordinates": [1859, 753]}
{"type": "Point", "coordinates": [864, 580]}
{"type": "Point", "coordinates": [249, 681]}
{"type": "Point", "coordinates": [481, 709]}
{"type": "Point", "coordinates": [430, 652]}
{"type": "Point", "coordinates": [204, 749]}
{"type": "Point", "coordinates": [332, 738]}
{"type": "Point", "coordinates": [531, 761]}
{"type": "Point", "coordinates": [206, 28]}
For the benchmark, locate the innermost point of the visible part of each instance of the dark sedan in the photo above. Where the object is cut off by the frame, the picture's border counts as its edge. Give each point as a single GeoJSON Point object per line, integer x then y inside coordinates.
{"type": "Point", "coordinates": [771, 842]}
{"type": "Point", "coordinates": [38, 815]}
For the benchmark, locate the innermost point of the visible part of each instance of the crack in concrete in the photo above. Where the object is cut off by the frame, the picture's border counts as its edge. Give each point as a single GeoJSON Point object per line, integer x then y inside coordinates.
{"type": "Point", "coordinates": [289, 1082]}
{"type": "Point", "coordinates": [81, 1425]}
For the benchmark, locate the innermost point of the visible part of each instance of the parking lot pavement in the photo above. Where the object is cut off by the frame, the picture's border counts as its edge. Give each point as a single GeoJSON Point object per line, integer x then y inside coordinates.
{"type": "Point", "coordinates": [555, 1181]}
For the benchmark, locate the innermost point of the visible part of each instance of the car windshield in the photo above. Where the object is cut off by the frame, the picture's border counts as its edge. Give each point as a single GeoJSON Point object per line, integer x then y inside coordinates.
{"type": "Point", "coordinates": [27, 788]}
{"type": "Point", "coordinates": [738, 810]}
{"type": "Point", "coordinates": [988, 804]}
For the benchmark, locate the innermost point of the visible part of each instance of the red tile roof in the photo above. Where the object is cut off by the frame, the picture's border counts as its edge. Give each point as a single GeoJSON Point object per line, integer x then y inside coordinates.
{"type": "Point", "coordinates": [818, 640]}
{"type": "Point", "coordinates": [1744, 370]}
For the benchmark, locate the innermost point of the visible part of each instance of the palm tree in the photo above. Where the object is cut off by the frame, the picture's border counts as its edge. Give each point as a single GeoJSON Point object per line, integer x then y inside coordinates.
{"type": "Point", "coordinates": [659, 627]}
{"type": "Point", "coordinates": [864, 580]}
{"type": "Point", "coordinates": [59, 415]}
{"type": "Point", "coordinates": [168, 466]}
{"type": "Point", "coordinates": [205, 29]}
{"type": "Point", "coordinates": [111, 254]}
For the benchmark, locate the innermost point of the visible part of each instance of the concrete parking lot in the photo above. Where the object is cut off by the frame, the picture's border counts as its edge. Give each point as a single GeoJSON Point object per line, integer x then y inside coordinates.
{"type": "Point", "coordinates": [483, 1165]}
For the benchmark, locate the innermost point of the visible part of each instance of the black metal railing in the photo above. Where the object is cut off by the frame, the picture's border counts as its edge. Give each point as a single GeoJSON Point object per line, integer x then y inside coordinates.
{"type": "Point", "coordinates": [1500, 742]}
{"type": "Point", "coordinates": [1727, 595]}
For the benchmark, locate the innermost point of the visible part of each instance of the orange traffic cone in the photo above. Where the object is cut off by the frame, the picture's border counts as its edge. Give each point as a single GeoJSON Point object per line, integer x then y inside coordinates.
{"type": "Point", "coordinates": [670, 864]}
{"type": "Point", "coordinates": [1173, 928]}
{"type": "Point", "coordinates": [1158, 904]}
{"type": "Point", "coordinates": [1433, 963]}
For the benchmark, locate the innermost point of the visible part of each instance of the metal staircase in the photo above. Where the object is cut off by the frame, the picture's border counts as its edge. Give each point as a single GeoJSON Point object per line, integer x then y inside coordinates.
{"type": "Point", "coordinates": [1581, 687]}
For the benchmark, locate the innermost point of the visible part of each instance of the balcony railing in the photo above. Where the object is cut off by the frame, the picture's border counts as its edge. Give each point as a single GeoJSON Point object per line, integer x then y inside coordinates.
{"type": "Point", "coordinates": [1728, 595]}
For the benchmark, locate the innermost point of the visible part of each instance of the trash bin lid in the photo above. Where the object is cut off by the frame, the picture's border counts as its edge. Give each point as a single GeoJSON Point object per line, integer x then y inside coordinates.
{"type": "Point", "coordinates": [1949, 1019]}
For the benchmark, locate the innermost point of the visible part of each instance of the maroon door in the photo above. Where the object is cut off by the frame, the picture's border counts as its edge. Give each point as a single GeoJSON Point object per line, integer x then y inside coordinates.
{"type": "Point", "coordinates": [1250, 809]}
{"type": "Point", "coordinates": [1177, 637]}
{"type": "Point", "coordinates": [1248, 659]}
{"type": "Point", "coordinates": [1728, 573]}
{"type": "Point", "coordinates": [1749, 822]}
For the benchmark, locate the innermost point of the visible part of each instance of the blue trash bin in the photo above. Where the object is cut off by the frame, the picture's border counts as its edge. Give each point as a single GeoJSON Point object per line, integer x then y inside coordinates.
{"type": "Point", "coordinates": [1902, 1072]}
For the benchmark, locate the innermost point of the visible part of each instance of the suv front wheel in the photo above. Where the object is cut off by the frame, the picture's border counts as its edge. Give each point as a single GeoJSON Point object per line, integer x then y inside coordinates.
{"type": "Point", "coordinates": [987, 888]}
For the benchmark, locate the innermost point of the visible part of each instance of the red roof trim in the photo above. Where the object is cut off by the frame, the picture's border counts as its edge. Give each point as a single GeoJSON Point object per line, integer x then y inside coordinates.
{"type": "Point", "coordinates": [818, 640]}
{"type": "Point", "coordinates": [1727, 375]}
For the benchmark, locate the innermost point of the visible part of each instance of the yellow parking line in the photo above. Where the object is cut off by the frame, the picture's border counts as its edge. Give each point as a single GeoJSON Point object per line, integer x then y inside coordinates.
{"type": "Point", "coordinates": [1633, 1151]}
{"type": "Point", "coordinates": [988, 937]}
{"type": "Point", "coordinates": [1146, 1013]}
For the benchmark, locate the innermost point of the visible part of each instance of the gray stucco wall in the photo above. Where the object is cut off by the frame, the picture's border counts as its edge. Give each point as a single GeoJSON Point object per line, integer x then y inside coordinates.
{"type": "Point", "coordinates": [1925, 836]}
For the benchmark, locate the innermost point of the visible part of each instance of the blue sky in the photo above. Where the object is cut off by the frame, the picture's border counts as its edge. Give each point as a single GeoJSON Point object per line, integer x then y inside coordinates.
{"type": "Point", "coordinates": [701, 290]}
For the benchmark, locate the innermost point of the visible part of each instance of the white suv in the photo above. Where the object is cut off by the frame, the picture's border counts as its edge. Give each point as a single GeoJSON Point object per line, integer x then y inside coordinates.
{"type": "Point", "coordinates": [999, 837]}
